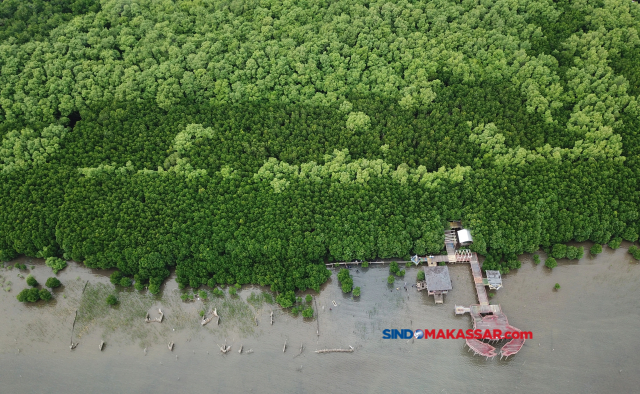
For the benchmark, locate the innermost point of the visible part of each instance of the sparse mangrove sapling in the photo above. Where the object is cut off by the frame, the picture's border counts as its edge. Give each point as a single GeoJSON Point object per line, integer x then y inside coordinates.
{"type": "Point", "coordinates": [112, 300]}
{"type": "Point", "coordinates": [346, 282]}
{"type": "Point", "coordinates": [307, 313]}
{"type": "Point", "coordinates": [615, 243]}
{"type": "Point", "coordinates": [55, 263]}
{"type": "Point", "coordinates": [115, 278]}
{"type": "Point", "coordinates": [551, 263]}
{"type": "Point", "coordinates": [45, 294]}
{"type": "Point", "coordinates": [31, 281]}
{"type": "Point", "coordinates": [53, 283]}
{"type": "Point", "coordinates": [125, 282]}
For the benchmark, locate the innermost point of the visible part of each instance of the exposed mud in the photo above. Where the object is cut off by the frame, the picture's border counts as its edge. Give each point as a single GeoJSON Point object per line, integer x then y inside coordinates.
{"type": "Point", "coordinates": [584, 335]}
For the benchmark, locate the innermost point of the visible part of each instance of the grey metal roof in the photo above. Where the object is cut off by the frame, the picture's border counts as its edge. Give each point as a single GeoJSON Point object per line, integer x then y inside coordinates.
{"type": "Point", "coordinates": [437, 278]}
{"type": "Point", "coordinates": [494, 279]}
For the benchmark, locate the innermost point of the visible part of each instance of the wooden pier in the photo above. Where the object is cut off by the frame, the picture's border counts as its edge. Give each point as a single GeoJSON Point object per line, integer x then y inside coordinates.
{"type": "Point", "coordinates": [491, 317]}
{"type": "Point", "coordinates": [478, 280]}
{"type": "Point", "coordinates": [484, 316]}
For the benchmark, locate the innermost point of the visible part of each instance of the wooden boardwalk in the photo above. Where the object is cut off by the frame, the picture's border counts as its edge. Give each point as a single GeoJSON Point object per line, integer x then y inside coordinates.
{"type": "Point", "coordinates": [478, 280]}
{"type": "Point", "coordinates": [493, 319]}
{"type": "Point", "coordinates": [450, 241]}
{"type": "Point", "coordinates": [485, 316]}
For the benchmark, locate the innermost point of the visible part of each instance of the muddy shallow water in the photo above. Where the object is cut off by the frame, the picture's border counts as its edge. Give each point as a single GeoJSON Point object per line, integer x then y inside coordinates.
{"type": "Point", "coordinates": [585, 336]}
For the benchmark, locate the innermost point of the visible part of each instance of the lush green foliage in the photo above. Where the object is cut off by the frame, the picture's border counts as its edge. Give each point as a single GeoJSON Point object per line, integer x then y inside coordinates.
{"type": "Point", "coordinates": [116, 277]}
{"type": "Point", "coordinates": [29, 295]}
{"type": "Point", "coordinates": [574, 252]}
{"type": "Point", "coordinates": [550, 263]}
{"type": "Point", "coordinates": [391, 279]}
{"type": "Point", "coordinates": [112, 300]}
{"type": "Point", "coordinates": [250, 142]}
{"type": "Point", "coordinates": [345, 279]}
{"type": "Point", "coordinates": [307, 313]}
{"type": "Point", "coordinates": [557, 286]}
{"type": "Point", "coordinates": [286, 299]}
{"type": "Point", "coordinates": [635, 252]}
{"type": "Point", "coordinates": [365, 264]}
{"type": "Point", "coordinates": [356, 291]}
{"type": "Point", "coordinates": [393, 268]}
{"type": "Point", "coordinates": [615, 243]}
{"type": "Point", "coordinates": [233, 291]}
{"type": "Point", "coordinates": [308, 298]}
{"type": "Point", "coordinates": [31, 281]}
{"type": "Point", "coordinates": [536, 259]}
{"type": "Point", "coordinates": [125, 282]}
{"type": "Point", "coordinates": [53, 283]}
{"type": "Point", "coordinates": [27, 20]}
{"type": "Point", "coordinates": [595, 249]}
{"type": "Point", "coordinates": [559, 251]}
{"type": "Point", "coordinates": [217, 292]}
{"type": "Point", "coordinates": [420, 276]}
{"type": "Point", "coordinates": [45, 294]}
{"type": "Point", "coordinates": [55, 263]}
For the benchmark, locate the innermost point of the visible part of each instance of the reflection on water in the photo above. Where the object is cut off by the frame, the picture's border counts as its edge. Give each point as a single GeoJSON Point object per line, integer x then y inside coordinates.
{"type": "Point", "coordinates": [584, 336]}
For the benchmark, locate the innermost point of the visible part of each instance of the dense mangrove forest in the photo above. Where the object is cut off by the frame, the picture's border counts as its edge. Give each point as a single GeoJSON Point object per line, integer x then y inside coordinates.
{"type": "Point", "coordinates": [251, 141]}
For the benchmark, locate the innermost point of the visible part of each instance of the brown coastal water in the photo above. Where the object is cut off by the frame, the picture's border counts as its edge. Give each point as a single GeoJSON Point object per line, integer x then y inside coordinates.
{"type": "Point", "coordinates": [585, 336]}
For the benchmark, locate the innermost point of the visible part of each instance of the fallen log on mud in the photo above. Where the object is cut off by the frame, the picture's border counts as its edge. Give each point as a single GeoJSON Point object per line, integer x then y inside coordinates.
{"type": "Point", "coordinates": [206, 320]}
{"type": "Point", "coordinates": [317, 316]}
{"type": "Point", "coordinates": [271, 317]}
{"type": "Point", "coordinates": [224, 348]}
{"type": "Point", "coordinates": [285, 346]}
{"type": "Point", "coordinates": [350, 350]}
{"type": "Point", "coordinates": [73, 326]}
{"type": "Point", "coordinates": [101, 345]}
{"type": "Point", "coordinates": [156, 320]}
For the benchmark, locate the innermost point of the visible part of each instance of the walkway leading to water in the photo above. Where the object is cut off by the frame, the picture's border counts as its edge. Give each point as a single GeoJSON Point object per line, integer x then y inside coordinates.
{"type": "Point", "coordinates": [478, 280]}
{"type": "Point", "coordinates": [485, 316]}
{"type": "Point", "coordinates": [491, 317]}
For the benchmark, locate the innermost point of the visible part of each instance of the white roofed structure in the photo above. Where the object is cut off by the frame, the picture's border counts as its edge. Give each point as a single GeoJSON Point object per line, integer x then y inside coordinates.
{"type": "Point", "coordinates": [464, 237]}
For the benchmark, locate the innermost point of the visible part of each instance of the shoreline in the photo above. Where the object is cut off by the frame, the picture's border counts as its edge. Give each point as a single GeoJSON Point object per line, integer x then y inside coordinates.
{"type": "Point", "coordinates": [41, 332]}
